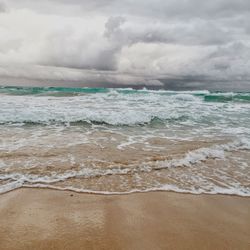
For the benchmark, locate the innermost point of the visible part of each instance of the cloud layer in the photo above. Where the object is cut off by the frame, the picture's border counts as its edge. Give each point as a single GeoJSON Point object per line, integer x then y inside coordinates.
{"type": "Point", "coordinates": [147, 39]}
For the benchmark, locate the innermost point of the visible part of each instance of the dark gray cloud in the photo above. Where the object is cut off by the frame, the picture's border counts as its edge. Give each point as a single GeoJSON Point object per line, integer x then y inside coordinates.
{"type": "Point", "coordinates": [155, 8]}
{"type": "Point", "coordinates": [193, 8]}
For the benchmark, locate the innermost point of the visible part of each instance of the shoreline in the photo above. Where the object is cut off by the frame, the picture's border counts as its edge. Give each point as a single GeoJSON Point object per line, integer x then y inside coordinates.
{"type": "Point", "coordinates": [107, 193]}
{"type": "Point", "coordinates": [53, 219]}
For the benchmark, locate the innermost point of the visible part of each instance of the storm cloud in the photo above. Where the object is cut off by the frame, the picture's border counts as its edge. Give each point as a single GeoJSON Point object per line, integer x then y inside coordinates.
{"type": "Point", "coordinates": [144, 41]}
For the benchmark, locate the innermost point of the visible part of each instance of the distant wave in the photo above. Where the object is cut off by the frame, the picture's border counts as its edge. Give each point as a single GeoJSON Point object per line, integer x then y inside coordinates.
{"type": "Point", "coordinates": [205, 95]}
{"type": "Point", "coordinates": [48, 90]}
{"type": "Point", "coordinates": [227, 97]}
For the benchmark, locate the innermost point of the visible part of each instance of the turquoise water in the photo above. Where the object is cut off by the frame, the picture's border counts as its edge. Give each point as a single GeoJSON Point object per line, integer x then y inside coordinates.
{"type": "Point", "coordinates": [55, 91]}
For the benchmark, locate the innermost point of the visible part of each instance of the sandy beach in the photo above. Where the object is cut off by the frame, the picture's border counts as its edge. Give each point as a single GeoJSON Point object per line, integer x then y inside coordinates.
{"type": "Point", "coordinates": [50, 219]}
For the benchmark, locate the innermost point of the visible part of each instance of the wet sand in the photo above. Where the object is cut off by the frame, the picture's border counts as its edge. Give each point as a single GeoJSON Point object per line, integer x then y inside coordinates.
{"type": "Point", "coordinates": [49, 219]}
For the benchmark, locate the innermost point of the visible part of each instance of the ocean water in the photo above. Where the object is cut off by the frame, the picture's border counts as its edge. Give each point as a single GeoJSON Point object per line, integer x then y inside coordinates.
{"type": "Point", "coordinates": [112, 141]}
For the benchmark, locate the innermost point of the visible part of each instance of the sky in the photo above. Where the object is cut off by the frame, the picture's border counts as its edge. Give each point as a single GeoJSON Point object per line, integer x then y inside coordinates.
{"type": "Point", "coordinates": [161, 43]}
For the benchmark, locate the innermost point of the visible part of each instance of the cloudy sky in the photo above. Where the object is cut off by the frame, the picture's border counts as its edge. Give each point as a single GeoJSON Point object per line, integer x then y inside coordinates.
{"type": "Point", "coordinates": [148, 42]}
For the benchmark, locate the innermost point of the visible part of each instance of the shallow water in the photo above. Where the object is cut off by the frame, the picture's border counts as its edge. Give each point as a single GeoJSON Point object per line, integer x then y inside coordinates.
{"type": "Point", "coordinates": [124, 140]}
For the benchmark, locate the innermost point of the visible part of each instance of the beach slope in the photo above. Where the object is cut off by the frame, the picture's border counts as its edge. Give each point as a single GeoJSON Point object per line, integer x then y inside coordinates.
{"type": "Point", "coordinates": [49, 219]}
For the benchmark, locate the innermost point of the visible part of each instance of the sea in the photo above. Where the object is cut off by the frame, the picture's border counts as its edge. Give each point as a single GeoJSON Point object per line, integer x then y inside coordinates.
{"type": "Point", "coordinates": [120, 141]}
